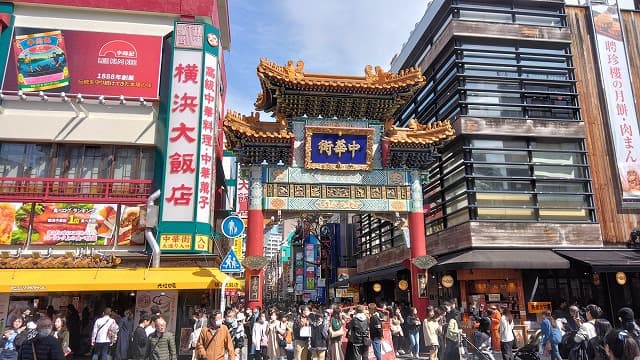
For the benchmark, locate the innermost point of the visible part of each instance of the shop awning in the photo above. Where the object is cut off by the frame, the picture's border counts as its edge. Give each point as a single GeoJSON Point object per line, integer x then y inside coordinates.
{"type": "Point", "coordinates": [119, 279]}
{"type": "Point", "coordinates": [501, 259]}
{"type": "Point", "coordinates": [388, 272]}
{"type": "Point", "coordinates": [606, 260]}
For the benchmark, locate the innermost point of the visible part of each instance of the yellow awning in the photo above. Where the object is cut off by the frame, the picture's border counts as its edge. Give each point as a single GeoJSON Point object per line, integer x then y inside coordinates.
{"type": "Point", "coordinates": [125, 279]}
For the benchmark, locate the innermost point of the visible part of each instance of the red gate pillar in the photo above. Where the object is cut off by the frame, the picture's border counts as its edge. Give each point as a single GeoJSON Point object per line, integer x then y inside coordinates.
{"type": "Point", "coordinates": [418, 242]}
{"type": "Point", "coordinates": [255, 239]}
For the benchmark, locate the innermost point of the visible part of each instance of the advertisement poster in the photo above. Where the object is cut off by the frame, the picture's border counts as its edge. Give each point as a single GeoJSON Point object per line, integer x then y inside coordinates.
{"type": "Point", "coordinates": [69, 224]}
{"type": "Point", "coordinates": [84, 62]}
{"type": "Point", "coordinates": [623, 120]}
{"type": "Point", "coordinates": [254, 288]}
{"type": "Point", "coordinates": [4, 310]}
{"type": "Point", "coordinates": [166, 300]}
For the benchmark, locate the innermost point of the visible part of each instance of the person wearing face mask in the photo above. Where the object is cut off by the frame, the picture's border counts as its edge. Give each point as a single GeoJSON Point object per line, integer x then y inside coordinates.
{"type": "Point", "coordinates": [215, 340]}
{"type": "Point", "coordinates": [275, 337]}
{"type": "Point", "coordinates": [236, 329]}
{"type": "Point", "coordinates": [44, 346]}
{"type": "Point", "coordinates": [302, 333]}
{"type": "Point", "coordinates": [259, 338]}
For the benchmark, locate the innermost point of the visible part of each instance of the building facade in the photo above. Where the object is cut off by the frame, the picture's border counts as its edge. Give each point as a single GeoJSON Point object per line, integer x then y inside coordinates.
{"type": "Point", "coordinates": [95, 102]}
{"type": "Point", "coordinates": [521, 205]}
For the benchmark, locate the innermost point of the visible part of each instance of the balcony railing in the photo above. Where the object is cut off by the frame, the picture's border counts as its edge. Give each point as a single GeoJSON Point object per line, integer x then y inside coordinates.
{"type": "Point", "coordinates": [74, 190]}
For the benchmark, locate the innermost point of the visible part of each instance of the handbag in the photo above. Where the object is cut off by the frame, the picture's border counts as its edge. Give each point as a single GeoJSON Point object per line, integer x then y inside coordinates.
{"type": "Point", "coordinates": [514, 343]}
{"type": "Point", "coordinates": [337, 333]}
{"type": "Point", "coordinates": [385, 347]}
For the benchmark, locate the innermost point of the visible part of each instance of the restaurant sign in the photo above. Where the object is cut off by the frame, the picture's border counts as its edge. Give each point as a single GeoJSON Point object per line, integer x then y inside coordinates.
{"type": "Point", "coordinates": [190, 171]}
{"type": "Point", "coordinates": [83, 62]}
{"type": "Point", "coordinates": [70, 224]}
{"type": "Point", "coordinates": [616, 80]}
{"type": "Point", "coordinates": [329, 148]}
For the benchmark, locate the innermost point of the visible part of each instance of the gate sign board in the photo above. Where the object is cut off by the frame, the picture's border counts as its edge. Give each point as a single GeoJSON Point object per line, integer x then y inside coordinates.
{"type": "Point", "coordinates": [230, 263]}
{"type": "Point", "coordinates": [329, 148]}
{"type": "Point", "coordinates": [232, 227]}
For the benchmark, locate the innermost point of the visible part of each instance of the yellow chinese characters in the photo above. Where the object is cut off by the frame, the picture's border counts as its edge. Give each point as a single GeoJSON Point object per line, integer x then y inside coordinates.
{"type": "Point", "coordinates": [340, 147]}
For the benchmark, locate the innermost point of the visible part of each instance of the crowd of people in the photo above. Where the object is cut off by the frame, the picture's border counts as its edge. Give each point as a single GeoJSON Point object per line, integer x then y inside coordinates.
{"type": "Point", "coordinates": [316, 332]}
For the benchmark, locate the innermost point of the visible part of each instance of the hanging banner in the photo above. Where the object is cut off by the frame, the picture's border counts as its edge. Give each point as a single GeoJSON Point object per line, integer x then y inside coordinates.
{"type": "Point", "coordinates": [167, 301]}
{"type": "Point", "coordinates": [623, 120]}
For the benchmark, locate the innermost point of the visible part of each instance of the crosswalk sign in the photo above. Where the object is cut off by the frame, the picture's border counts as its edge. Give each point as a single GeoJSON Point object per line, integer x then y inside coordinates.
{"type": "Point", "coordinates": [230, 263]}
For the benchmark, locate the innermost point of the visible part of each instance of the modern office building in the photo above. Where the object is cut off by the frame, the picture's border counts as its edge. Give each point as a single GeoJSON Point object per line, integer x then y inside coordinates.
{"type": "Point", "coordinates": [536, 199]}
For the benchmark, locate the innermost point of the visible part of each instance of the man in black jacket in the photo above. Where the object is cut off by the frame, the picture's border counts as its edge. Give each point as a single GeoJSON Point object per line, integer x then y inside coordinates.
{"type": "Point", "coordinates": [44, 346]}
{"type": "Point", "coordinates": [358, 336]}
{"type": "Point", "coordinates": [139, 341]}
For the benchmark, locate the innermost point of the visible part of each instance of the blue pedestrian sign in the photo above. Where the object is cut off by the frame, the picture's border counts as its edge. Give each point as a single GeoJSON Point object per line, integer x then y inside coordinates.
{"type": "Point", "coordinates": [230, 263]}
{"type": "Point", "coordinates": [232, 227]}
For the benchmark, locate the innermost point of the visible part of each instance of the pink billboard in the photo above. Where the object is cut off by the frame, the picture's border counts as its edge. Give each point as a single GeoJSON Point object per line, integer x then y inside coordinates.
{"type": "Point", "coordinates": [84, 62]}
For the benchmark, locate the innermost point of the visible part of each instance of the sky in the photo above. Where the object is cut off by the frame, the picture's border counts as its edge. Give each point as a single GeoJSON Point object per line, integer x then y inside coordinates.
{"type": "Point", "coordinates": [330, 36]}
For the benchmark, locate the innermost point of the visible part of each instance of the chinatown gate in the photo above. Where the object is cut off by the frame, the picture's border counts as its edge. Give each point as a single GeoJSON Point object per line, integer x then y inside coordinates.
{"type": "Point", "coordinates": [333, 148]}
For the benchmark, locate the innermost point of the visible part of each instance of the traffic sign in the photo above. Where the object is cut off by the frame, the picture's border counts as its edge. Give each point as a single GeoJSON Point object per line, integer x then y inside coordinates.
{"type": "Point", "coordinates": [232, 226]}
{"type": "Point", "coordinates": [230, 263]}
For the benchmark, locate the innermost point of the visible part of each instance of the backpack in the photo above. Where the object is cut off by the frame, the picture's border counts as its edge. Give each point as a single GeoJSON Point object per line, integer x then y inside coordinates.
{"type": "Point", "coordinates": [566, 343]}
{"type": "Point", "coordinates": [112, 332]}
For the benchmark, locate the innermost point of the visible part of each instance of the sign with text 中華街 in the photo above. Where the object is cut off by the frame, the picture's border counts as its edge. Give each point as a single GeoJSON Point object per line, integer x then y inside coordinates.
{"type": "Point", "coordinates": [84, 62]}
{"type": "Point", "coordinates": [328, 148]}
{"type": "Point", "coordinates": [616, 81]}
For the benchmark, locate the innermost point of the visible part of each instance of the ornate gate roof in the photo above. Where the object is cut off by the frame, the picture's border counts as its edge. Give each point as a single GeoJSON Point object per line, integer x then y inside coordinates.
{"type": "Point", "coordinates": [289, 91]}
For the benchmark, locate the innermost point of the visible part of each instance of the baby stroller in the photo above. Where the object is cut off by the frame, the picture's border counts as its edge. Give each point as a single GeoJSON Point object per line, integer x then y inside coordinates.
{"type": "Point", "coordinates": [530, 351]}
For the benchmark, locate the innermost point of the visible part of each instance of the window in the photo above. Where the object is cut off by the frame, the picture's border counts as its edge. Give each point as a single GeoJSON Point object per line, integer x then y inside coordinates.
{"type": "Point", "coordinates": [518, 12]}
{"type": "Point", "coordinates": [516, 180]}
{"type": "Point", "coordinates": [375, 235]}
{"type": "Point", "coordinates": [76, 161]}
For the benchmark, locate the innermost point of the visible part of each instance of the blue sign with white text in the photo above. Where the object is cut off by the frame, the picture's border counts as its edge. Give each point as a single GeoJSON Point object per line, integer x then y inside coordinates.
{"type": "Point", "coordinates": [339, 149]}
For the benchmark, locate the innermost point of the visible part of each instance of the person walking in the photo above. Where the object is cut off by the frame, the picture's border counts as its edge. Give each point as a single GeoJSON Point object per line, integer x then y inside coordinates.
{"type": "Point", "coordinates": [358, 336]}
{"type": "Point", "coordinates": [74, 327]}
{"type": "Point", "coordinates": [302, 333]}
{"type": "Point", "coordinates": [550, 336]}
{"type": "Point", "coordinates": [61, 333]}
{"type": "Point", "coordinates": [139, 341]}
{"type": "Point", "coordinates": [595, 346]}
{"type": "Point", "coordinates": [319, 335]}
{"type": "Point", "coordinates": [412, 325]}
{"type": "Point", "coordinates": [506, 334]}
{"type": "Point", "coordinates": [452, 334]}
{"type": "Point", "coordinates": [8, 348]}
{"type": "Point", "coordinates": [102, 335]}
{"type": "Point", "coordinates": [215, 340]}
{"type": "Point", "coordinates": [431, 331]}
{"type": "Point", "coordinates": [124, 335]}
{"type": "Point", "coordinates": [482, 339]}
{"type": "Point", "coordinates": [162, 344]}
{"type": "Point", "coordinates": [275, 333]}
{"type": "Point", "coordinates": [259, 338]}
{"type": "Point", "coordinates": [43, 346]}
{"type": "Point", "coordinates": [336, 333]}
{"type": "Point", "coordinates": [375, 330]}
{"type": "Point", "coordinates": [620, 345]}
{"type": "Point", "coordinates": [495, 315]}
{"type": "Point", "coordinates": [397, 334]}
{"type": "Point", "coordinates": [628, 323]}
{"type": "Point", "coordinates": [236, 329]}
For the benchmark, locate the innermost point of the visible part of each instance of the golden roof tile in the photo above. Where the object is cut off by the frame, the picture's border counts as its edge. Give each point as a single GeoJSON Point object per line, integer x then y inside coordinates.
{"type": "Point", "coordinates": [374, 78]}
{"type": "Point", "coordinates": [419, 134]}
{"type": "Point", "coordinates": [251, 126]}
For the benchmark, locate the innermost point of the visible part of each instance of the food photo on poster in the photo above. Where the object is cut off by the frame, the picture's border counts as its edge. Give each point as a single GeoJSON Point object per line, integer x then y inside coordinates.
{"type": "Point", "coordinates": [83, 62]}
{"type": "Point", "coordinates": [70, 224]}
